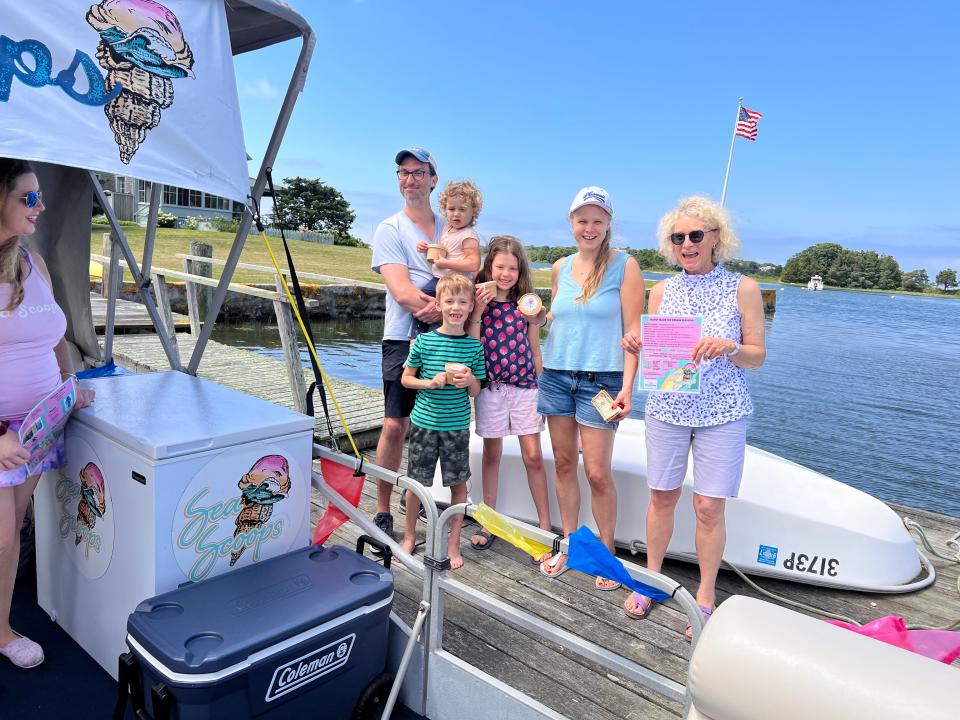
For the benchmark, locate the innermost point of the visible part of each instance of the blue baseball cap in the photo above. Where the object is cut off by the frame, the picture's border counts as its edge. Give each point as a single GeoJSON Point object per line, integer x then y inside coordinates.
{"type": "Point", "coordinates": [418, 153]}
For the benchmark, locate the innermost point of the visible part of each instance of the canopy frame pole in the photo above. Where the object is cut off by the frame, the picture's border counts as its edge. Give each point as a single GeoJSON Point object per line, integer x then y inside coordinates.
{"type": "Point", "coordinates": [119, 239]}
{"type": "Point", "coordinates": [283, 119]}
{"type": "Point", "coordinates": [156, 192]}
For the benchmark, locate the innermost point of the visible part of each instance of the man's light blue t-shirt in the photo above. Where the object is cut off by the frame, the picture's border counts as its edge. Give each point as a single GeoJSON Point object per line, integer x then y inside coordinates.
{"type": "Point", "coordinates": [395, 242]}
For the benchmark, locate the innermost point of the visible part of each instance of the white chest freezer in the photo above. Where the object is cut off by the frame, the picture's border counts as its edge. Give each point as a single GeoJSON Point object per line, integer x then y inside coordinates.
{"type": "Point", "coordinates": [169, 479]}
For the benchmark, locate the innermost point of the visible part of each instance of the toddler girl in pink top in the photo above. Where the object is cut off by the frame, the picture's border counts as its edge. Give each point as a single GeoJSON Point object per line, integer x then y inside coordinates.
{"type": "Point", "coordinates": [460, 203]}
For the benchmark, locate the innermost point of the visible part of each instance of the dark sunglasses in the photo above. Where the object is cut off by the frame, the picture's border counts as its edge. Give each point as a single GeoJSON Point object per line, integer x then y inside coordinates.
{"type": "Point", "coordinates": [32, 199]}
{"type": "Point", "coordinates": [696, 236]}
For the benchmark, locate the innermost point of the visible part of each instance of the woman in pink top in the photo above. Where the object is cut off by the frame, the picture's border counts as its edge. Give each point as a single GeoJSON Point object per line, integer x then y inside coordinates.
{"type": "Point", "coordinates": [34, 359]}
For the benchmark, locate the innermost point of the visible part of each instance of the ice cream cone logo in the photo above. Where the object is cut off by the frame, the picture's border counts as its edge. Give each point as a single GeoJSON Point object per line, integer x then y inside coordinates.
{"type": "Point", "coordinates": [267, 483]}
{"type": "Point", "coordinates": [143, 50]}
{"type": "Point", "coordinates": [93, 503]}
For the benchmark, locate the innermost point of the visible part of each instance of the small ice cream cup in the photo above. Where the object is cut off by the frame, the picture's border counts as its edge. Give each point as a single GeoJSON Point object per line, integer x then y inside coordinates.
{"type": "Point", "coordinates": [453, 369]}
{"type": "Point", "coordinates": [530, 305]}
{"type": "Point", "coordinates": [435, 252]}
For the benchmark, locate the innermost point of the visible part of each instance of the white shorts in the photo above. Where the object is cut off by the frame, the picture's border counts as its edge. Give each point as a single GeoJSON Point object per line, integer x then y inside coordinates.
{"type": "Point", "coordinates": [504, 410]}
{"type": "Point", "coordinates": [717, 456]}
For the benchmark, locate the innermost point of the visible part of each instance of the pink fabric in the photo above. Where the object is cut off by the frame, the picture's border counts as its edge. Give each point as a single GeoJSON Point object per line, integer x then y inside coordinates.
{"type": "Point", "coordinates": [452, 241]}
{"type": "Point", "coordinates": [28, 334]}
{"type": "Point", "coordinates": [942, 645]}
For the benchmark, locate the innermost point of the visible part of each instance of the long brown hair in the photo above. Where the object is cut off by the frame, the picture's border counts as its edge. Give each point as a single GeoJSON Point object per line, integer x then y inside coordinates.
{"type": "Point", "coordinates": [599, 268]}
{"type": "Point", "coordinates": [11, 269]}
{"type": "Point", "coordinates": [512, 246]}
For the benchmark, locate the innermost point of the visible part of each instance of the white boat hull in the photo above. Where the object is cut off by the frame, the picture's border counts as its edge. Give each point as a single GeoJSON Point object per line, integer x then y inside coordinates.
{"type": "Point", "coordinates": [789, 522]}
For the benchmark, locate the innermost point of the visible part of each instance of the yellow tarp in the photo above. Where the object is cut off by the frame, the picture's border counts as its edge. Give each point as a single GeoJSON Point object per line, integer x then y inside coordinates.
{"type": "Point", "coordinates": [505, 528]}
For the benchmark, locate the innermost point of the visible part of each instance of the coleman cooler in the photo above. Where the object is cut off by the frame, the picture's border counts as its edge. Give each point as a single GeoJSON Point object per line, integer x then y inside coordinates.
{"type": "Point", "coordinates": [300, 635]}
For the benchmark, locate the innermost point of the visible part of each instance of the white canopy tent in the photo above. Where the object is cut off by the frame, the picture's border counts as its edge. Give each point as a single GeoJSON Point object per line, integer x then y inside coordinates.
{"type": "Point", "coordinates": [164, 59]}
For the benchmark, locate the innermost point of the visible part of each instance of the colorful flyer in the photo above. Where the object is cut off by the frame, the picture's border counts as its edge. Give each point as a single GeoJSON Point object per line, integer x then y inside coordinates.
{"type": "Point", "coordinates": [666, 363]}
{"type": "Point", "coordinates": [43, 425]}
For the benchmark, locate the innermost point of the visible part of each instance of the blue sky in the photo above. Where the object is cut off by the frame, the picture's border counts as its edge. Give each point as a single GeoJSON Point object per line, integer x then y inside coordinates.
{"type": "Point", "coordinates": [533, 100]}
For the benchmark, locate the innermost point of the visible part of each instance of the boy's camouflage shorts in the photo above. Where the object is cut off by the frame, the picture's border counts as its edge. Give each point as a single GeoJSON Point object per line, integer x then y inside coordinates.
{"type": "Point", "coordinates": [450, 447]}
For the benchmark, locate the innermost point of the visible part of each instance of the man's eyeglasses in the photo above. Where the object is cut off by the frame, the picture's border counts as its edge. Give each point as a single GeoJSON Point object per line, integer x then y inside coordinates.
{"type": "Point", "coordinates": [696, 236]}
{"type": "Point", "coordinates": [417, 174]}
{"type": "Point", "coordinates": [32, 199]}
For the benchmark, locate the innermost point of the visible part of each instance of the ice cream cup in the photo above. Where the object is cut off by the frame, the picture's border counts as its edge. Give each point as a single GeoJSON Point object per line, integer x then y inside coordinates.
{"type": "Point", "coordinates": [490, 285]}
{"type": "Point", "coordinates": [530, 305]}
{"type": "Point", "coordinates": [452, 369]}
{"type": "Point", "coordinates": [435, 252]}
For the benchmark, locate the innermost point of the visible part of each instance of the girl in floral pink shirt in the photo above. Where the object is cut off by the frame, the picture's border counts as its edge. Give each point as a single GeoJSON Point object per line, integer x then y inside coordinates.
{"type": "Point", "coordinates": [508, 403]}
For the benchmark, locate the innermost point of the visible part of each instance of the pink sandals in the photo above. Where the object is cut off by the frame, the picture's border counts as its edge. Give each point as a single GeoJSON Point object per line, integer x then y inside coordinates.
{"type": "Point", "coordinates": [23, 652]}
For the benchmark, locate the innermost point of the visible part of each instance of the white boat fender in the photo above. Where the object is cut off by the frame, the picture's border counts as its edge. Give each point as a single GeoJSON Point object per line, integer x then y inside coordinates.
{"type": "Point", "coordinates": [758, 661]}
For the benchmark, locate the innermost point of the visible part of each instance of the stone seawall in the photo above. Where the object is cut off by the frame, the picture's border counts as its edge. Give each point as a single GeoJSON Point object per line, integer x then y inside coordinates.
{"type": "Point", "coordinates": [335, 301]}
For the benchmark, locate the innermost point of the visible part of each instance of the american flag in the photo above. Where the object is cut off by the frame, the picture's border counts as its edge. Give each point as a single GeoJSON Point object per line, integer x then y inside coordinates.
{"type": "Point", "coordinates": [747, 123]}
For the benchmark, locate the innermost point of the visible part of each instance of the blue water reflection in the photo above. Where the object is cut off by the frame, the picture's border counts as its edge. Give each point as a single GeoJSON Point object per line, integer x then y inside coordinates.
{"type": "Point", "coordinates": [860, 386]}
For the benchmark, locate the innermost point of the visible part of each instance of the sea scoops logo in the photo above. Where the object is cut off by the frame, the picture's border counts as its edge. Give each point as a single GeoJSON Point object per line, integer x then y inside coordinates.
{"type": "Point", "coordinates": [310, 667]}
{"type": "Point", "coordinates": [143, 50]}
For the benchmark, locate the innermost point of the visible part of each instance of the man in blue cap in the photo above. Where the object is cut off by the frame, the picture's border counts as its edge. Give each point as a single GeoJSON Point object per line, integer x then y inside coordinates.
{"type": "Point", "coordinates": [405, 272]}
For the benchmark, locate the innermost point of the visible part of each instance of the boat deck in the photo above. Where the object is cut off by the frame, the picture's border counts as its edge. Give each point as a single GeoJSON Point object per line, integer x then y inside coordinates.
{"type": "Point", "coordinates": [580, 689]}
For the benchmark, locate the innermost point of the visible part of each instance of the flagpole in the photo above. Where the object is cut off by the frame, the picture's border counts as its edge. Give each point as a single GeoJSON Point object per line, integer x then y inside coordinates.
{"type": "Point", "coordinates": [733, 139]}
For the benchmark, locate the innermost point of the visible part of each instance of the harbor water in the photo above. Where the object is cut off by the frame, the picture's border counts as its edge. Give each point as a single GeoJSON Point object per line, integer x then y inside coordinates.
{"type": "Point", "coordinates": [862, 387]}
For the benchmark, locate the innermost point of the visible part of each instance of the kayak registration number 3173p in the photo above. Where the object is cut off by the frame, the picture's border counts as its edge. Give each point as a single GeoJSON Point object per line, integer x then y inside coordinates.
{"type": "Point", "coordinates": [799, 562]}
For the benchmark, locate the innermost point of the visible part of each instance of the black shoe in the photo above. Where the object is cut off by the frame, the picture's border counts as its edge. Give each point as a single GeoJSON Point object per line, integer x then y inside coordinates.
{"type": "Point", "coordinates": [384, 522]}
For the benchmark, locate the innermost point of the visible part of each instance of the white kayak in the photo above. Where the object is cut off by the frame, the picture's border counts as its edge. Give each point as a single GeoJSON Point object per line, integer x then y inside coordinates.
{"type": "Point", "coordinates": [788, 522]}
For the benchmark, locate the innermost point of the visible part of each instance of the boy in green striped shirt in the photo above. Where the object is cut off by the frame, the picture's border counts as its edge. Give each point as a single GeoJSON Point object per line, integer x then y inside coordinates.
{"type": "Point", "coordinates": [445, 367]}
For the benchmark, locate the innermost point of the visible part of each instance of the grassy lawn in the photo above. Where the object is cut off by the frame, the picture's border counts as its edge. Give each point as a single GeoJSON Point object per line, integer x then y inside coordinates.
{"type": "Point", "coordinates": [346, 262]}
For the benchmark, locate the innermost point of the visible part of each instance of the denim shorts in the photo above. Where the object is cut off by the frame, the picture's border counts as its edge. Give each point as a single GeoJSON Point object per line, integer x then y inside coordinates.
{"type": "Point", "coordinates": [569, 392]}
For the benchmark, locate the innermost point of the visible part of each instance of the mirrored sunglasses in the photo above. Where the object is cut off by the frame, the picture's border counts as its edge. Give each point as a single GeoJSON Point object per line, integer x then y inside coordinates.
{"type": "Point", "coordinates": [696, 236]}
{"type": "Point", "coordinates": [33, 198]}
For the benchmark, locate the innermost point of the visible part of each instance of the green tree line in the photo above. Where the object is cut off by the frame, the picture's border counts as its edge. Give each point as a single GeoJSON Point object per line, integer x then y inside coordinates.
{"type": "Point", "coordinates": [650, 259]}
{"type": "Point", "coordinates": [866, 269]}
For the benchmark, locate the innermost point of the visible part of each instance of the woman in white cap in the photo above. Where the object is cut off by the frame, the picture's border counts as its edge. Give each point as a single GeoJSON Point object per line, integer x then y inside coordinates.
{"type": "Point", "coordinates": [597, 295]}
{"type": "Point", "coordinates": [697, 236]}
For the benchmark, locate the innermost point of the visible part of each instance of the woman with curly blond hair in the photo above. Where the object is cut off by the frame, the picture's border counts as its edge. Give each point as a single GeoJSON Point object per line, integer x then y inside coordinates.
{"type": "Point", "coordinates": [697, 235]}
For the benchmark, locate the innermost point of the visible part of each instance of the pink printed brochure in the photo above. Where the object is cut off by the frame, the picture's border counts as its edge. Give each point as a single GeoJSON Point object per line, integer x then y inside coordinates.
{"type": "Point", "coordinates": [666, 361]}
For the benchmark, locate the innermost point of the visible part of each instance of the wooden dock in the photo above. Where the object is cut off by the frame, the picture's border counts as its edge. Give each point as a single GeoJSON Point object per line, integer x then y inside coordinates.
{"type": "Point", "coordinates": [261, 377]}
{"type": "Point", "coordinates": [130, 315]}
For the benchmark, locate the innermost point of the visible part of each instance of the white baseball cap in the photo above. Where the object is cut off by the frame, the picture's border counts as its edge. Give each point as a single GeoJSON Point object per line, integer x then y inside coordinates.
{"type": "Point", "coordinates": [592, 195]}
{"type": "Point", "coordinates": [417, 153]}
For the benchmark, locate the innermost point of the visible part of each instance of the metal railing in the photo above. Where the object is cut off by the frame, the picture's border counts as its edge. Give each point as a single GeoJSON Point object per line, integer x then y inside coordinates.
{"type": "Point", "coordinates": [436, 584]}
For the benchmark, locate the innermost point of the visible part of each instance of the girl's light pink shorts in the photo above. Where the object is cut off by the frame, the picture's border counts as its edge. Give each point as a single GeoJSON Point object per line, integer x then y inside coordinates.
{"type": "Point", "coordinates": [504, 410]}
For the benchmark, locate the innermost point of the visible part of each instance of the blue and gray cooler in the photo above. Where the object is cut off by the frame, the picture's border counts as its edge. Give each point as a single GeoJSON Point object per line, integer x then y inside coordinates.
{"type": "Point", "coordinates": [300, 635]}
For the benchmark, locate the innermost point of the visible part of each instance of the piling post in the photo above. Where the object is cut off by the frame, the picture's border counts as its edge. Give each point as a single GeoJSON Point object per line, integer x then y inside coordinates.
{"type": "Point", "coordinates": [291, 353]}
